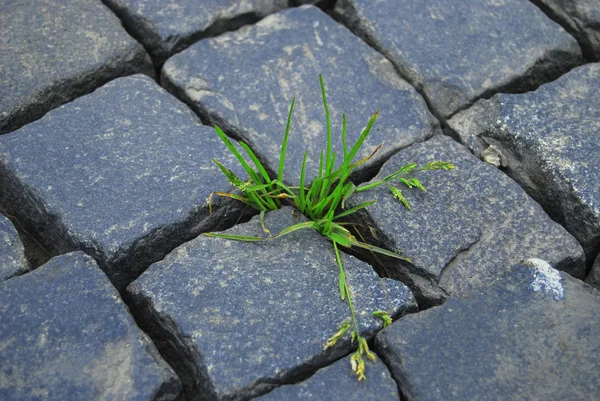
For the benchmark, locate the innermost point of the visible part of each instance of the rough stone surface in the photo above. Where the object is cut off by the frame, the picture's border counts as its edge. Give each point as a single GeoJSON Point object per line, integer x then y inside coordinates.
{"type": "Point", "coordinates": [456, 55]}
{"type": "Point", "coordinates": [238, 318]}
{"type": "Point", "coordinates": [66, 335]}
{"type": "Point", "coordinates": [471, 223]}
{"type": "Point", "coordinates": [593, 277]}
{"type": "Point", "coordinates": [581, 18]}
{"type": "Point", "coordinates": [338, 383]}
{"type": "Point", "coordinates": [551, 139]}
{"type": "Point", "coordinates": [532, 335]}
{"type": "Point", "coordinates": [12, 255]}
{"type": "Point", "coordinates": [46, 59]}
{"type": "Point", "coordinates": [283, 55]}
{"type": "Point", "coordinates": [123, 173]}
{"type": "Point", "coordinates": [167, 26]}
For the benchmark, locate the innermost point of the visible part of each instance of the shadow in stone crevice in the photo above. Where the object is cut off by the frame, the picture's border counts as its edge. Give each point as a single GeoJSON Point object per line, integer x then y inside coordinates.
{"type": "Point", "coordinates": [586, 49]}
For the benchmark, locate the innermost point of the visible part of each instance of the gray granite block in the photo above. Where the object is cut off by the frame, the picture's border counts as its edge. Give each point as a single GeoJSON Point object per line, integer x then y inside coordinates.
{"type": "Point", "coordinates": [66, 335]}
{"type": "Point", "coordinates": [533, 335]}
{"type": "Point", "coordinates": [238, 318]}
{"type": "Point", "coordinates": [471, 223]}
{"type": "Point", "coordinates": [581, 18]}
{"type": "Point", "coordinates": [550, 139]}
{"type": "Point", "coordinates": [457, 54]}
{"type": "Point", "coordinates": [166, 27]}
{"type": "Point", "coordinates": [338, 383]}
{"type": "Point", "coordinates": [12, 254]}
{"type": "Point", "coordinates": [52, 52]}
{"type": "Point", "coordinates": [282, 58]}
{"type": "Point", "coordinates": [123, 173]}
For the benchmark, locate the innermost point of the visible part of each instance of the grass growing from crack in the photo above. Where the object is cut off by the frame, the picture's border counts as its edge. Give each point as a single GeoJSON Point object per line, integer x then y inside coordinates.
{"type": "Point", "coordinates": [323, 203]}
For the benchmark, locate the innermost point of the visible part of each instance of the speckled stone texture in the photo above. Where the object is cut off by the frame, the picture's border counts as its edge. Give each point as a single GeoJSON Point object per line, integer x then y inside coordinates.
{"type": "Point", "coordinates": [581, 18]}
{"type": "Point", "coordinates": [338, 383]}
{"type": "Point", "coordinates": [52, 52]}
{"type": "Point", "coordinates": [66, 335]}
{"type": "Point", "coordinates": [12, 256]}
{"type": "Point", "coordinates": [551, 140]}
{"type": "Point", "coordinates": [123, 173]}
{"type": "Point", "coordinates": [238, 318]}
{"type": "Point", "coordinates": [282, 57]}
{"type": "Point", "coordinates": [471, 223]}
{"type": "Point", "coordinates": [457, 54]}
{"type": "Point", "coordinates": [533, 335]}
{"type": "Point", "coordinates": [167, 26]}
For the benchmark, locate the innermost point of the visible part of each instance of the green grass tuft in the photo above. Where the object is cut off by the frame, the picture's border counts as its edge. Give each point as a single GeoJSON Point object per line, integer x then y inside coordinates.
{"type": "Point", "coordinates": [323, 204]}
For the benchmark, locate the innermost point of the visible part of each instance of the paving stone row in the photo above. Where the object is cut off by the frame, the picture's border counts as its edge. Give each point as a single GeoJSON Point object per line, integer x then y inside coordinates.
{"type": "Point", "coordinates": [456, 55]}
{"type": "Point", "coordinates": [52, 52]}
{"type": "Point", "coordinates": [67, 335]}
{"type": "Point", "coordinates": [283, 55]}
{"type": "Point", "coordinates": [12, 254]}
{"type": "Point", "coordinates": [238, 318]}
{"type": "Point", "coordinates": [123, 173]}
{"type": "Point", "coordinates": [471, 223]}
{"type": "Point", "coordinates": [166, 27]}
{"type": "Point", "coordinates": [549, 140]}
{"type": "Point", "coordinates": [581, 18]}
{"type": "Point", "coordinates": [534, 334]}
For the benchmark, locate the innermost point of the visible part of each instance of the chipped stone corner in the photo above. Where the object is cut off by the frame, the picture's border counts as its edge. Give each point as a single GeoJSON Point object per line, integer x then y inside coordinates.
{"type": "Point", "coordinates": [545, 278]}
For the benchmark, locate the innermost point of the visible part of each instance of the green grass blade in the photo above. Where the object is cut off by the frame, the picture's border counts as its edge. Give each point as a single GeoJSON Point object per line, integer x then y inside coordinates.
{"type": "Point", "coordinates": [262, 223]}
{"type": "Point", "coordinates": [380, 250]}
{"type": "Point", "coordinates": [279, 184]}
{"type": "Point", "coordinates": [257, 163]}
{"type": "Point", "coordinates": [342, 274]}
{"type": "Point", "coordinates": [284, 143]}
{"type": "Point", "coordinates": [348, 194]}
{"type": "Point", "coordinates": [353, 210]}
{"type": "Point", "coordinates": [362, 137]}
{"type": "Point", "coordinates": [237, 154]}
{"type": "Point", "coordinates": [285, 231]}
{"type": "Point", "coordinates": [301, 199]}
{"type": "Point", "coordinates": [231, 177]}
{"type": "Point", "coordinates": [328, 162]}
{"type": "Point", "coordinates": [238, 237]}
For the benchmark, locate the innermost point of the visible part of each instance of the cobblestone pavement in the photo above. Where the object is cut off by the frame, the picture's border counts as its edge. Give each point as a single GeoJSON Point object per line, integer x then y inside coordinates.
{"type": "Point", "coordinates": [109, 290]}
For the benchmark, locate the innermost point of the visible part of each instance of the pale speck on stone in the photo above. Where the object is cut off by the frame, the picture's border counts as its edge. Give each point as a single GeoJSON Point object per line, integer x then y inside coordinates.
{"type": "Point", "coordinates": [546, 279]}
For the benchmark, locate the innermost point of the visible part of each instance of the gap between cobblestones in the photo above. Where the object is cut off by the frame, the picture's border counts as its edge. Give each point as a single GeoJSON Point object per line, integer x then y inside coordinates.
{"type": "Point", "coordinates": [546, 10]}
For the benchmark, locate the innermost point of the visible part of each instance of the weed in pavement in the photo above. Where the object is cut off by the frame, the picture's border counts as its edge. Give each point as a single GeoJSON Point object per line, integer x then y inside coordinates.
{"type": "Point", "coordinates": [323, 203]}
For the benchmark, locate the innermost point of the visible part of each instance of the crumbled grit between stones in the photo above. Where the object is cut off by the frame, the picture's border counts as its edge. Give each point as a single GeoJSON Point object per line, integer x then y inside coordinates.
{"type": "Point", "coordinates": [534, 334]}
{"type": "Point", "coordinates": [66, 335]}
{"type": "Point", "coordinates": [550, 139]}
{"type": "Point", "coordinates": [236, 319]}
{"type": "Point", "coordinates": [338, 383]}
{"type": "Point", "coordinates": [581, 18]}
{"type": "Point", "coordinates": [457, 54]}
{"type": "Point", "coordinates": [471, 223]}
{"type": "Point", "coordinates": [283, 55]}
{"type": "Point", "coordinates": [12, 255]}
{"type": "Point", "coordinates": [166, 27]}
{"type": "Point", "coordinates": [51, 52]}
{"type": "Point", "coordinates": [123, 173]}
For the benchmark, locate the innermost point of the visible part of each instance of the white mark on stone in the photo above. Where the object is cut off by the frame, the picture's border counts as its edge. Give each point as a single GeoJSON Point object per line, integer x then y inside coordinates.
{"type": "Point", "coordinates": [546, 278]}
{"type": "Point", "coordinates": [318, 38]}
